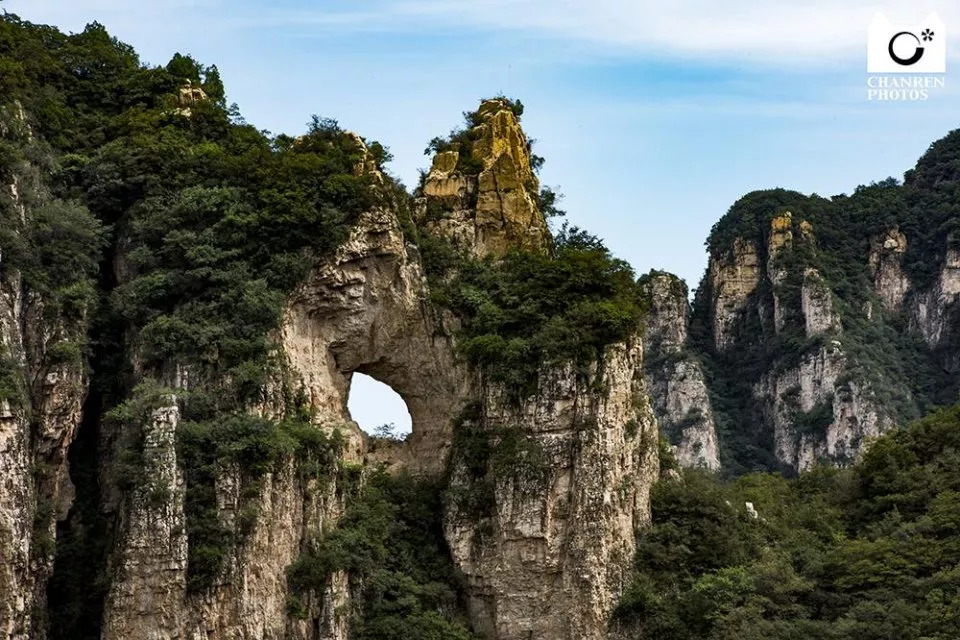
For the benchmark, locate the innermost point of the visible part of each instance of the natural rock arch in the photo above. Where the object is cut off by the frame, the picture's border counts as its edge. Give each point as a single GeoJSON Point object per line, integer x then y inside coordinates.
{"type": "Point", "coordinates": [365, 310]}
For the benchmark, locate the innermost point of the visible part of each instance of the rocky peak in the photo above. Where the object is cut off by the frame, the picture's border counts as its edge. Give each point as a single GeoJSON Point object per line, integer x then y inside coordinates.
{"type": "Point", "coordinates": [187, 96]}
{"type": "Point", "coordinates": [678, 388]}
{"type": "Point", "coordinates": [482, 192]}
{"type": "Point", "coordinates": [666, 327]}
{"type": "Point", "coordinates": [886, 263]}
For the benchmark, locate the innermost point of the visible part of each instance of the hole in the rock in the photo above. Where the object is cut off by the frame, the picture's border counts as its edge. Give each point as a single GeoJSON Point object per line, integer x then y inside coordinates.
{"type": "Point", "coordinates": [378, 409]}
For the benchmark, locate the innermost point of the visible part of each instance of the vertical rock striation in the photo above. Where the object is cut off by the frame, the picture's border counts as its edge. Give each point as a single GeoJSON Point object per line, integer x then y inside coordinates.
{"type": "Point", "coordinates": [675, 378]}
{"type": "Point", "coordinates": [42, 388]}
{"type": "Point", "coordinates": [483, 195]}
{"type": "Point", "coordinates": [551, 556]}
{"type": "Point", "coordinates": [548, 551]}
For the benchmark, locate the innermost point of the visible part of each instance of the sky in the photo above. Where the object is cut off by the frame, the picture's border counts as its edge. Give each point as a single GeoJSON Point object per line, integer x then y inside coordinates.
{"type": "Point", "coordinates": [654, 117]}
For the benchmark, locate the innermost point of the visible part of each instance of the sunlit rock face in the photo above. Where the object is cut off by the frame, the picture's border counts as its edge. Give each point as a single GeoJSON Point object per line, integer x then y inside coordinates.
{"type": "Point", "coordinates": [677, 386]}
{"type": "Point", "coordinates": [486, 203]}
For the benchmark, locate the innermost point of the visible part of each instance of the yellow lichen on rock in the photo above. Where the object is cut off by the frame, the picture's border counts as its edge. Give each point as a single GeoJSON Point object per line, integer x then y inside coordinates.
{"type": "Point", "coordinates": [781, 232]}
{"type": "Point", "coordinates": [495, 209]}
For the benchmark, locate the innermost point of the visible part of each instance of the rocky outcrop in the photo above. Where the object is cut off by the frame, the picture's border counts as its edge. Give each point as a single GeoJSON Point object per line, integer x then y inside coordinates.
{"type": "Point", "coordinates": [935, 311]}
{"type": "Point", "coordinates": [780, 240]}
{"type": "Point", "coordinates": [41, 394]}
{"type": "Point", "coordinates": [483, 196]}
{"type": "Point", "coordinates": [149, 596]}
{"type": "Point", "coordinates": [366, 310]}
{"type": "Point", "coordinates": [809, 402]}
{"type": "Point", "coordinates": [547, 557]}
{"type": "Point", "coordinates": [675, 378]}
{"type": "Point", "coordinates": [816, 304]}
{"type": "Point", "coordinates": [886, 264]}
{"type": "Point", "coordinates": [734, 276]}
{"type": "Point", "coordinates": [551, 557]}
{"type": "Point", "coordinates": [818, 412]}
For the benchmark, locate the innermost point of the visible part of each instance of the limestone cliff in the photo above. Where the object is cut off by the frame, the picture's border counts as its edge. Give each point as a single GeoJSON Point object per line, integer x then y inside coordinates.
{"type": "Point", "coordinates": [43, 388]}
{"type": "Point", "coordinates": [549, 556]}
{"type": "Point", "coordinates": [550, 552]}
{"type": "Point", "coordinates": [184, 302]}
{"type": "Point", "coordinates": [886, 262]}
{"type": "Point", "coordinates": [362, 309]}
{"type": "Point", "coordinates": [811, 406]}
{"type": "Point", "coordinates": [677, 386]}
{"type": "Point", "coordinates": [811, 316]}
{"type": "Point", "coordinates": [482, 195]}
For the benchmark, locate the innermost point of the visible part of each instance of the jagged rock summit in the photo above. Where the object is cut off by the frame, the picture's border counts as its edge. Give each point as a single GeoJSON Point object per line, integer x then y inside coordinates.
{"type": "Point", "coordinates": [482, 195]}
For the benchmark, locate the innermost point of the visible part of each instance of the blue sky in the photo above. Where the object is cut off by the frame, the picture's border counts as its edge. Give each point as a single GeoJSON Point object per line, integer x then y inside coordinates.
{"type": "Point", "coordinates": [653, 116]}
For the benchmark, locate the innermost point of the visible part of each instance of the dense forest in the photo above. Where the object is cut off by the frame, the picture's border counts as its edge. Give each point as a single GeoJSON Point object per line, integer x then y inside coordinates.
{"type": "Point", "coordinates": [870, 553]}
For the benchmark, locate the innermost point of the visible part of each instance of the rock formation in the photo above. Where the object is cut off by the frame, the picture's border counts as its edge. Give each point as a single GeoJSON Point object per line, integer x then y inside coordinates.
{"type": "Point", "coordinates": [677, 386]}
{"type": "Point", "coordinates": [483, 196]}
{"type": "Point", "coordinates": [886, 263]}
{"type": "Point", "coordinates": [815, 329]}
{"type": "Point", "coordinates": [733, 278]}
{"type": "Point", "coordinates": [549, 557]}
{"type": "Point", "coordinates": [40, 400]}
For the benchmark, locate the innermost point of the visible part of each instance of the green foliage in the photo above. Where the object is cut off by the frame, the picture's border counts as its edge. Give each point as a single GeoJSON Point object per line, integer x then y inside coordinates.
{"type": "Point", "coordinates": [867, 552]}
{"type": "Point", "coordinates": [390, 540]}
{"type": "Point", "coordinates": [252, 446]}
{"type": "Point", "coordinates": [204, 224]}
{"type": "Point", "coordinates": [547, 201]}
{"type": "Point", "coordinates": [489, 454]}
{"type": "Point", "coordinates": [887, 360]}
{"type": "Point", "coordinates": [529, 309]}
{"type": "Point", "coordinates": [12, 382]}
{"type": "Point", "coordinates": [184, 68]}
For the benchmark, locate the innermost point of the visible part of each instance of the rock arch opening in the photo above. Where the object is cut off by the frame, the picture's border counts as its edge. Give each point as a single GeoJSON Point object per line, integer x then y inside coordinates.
{"type": "Point", "coordinates": [377, 408]}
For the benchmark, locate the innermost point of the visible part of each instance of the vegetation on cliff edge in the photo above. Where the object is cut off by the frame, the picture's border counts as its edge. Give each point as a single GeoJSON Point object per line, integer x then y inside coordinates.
{"type": "Point", "coordinates": [865, 553]}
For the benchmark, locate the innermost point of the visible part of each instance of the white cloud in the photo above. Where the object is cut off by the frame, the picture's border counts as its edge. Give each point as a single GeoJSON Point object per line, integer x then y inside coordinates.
{"type": "Point", "coordinates": [762, 32]}
{"type": "Point", "coordinates": [754, 32]}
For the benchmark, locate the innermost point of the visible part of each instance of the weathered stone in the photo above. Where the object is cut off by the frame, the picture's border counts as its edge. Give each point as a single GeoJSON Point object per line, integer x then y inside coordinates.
{"type": "Point", "coordinates": [489, 212]}
{"type": "Point", "coordinates": [816, 304]}
{"type": "Point", "coordinates": [37, 422]}
{"type": "Point", "coordinates": [551, 558]}
{"type": "Point", "coordinates": [733, 278]}
{"type": "Point", "coordinates": [675, 379]}
{"type": "Point", "coordinates": [819, 381]}
{"type": "Point", "coordinates": [886, 263]}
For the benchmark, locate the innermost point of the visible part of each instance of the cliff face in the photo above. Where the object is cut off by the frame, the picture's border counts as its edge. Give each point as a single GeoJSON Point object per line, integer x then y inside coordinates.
{"type": "Point", "coordinates": [785, 338]}
{"type": "Point", "coordinates": [548, 555]}
{"type": "Point", "coordinates": [42, 393]}
{"type": "Point", "coordinates": [546, 558]}
{"type": "Point", "coordinates": [364, 308]}
{"type": "Point", "coordinates": [197, 487]}
{"type": "Point", "coordinates": [821, 323]}
{"type": "Point", "coordinates": [677, 386]}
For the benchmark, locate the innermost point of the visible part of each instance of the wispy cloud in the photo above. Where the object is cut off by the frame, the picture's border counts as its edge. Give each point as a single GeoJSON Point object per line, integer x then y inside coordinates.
{"type": "Point", "coordinates": [760, 32]}
{"type": "Point", "coordinates": [750, 32]}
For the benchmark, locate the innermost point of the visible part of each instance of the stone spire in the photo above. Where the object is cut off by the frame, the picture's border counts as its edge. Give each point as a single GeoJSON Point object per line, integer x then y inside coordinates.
{"type": "Point", "coordinates": [483, 194]}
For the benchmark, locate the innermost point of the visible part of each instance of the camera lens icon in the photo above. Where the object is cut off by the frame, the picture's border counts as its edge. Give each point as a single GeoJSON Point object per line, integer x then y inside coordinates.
{"type": "Point", "coordinates": [917, 52]}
